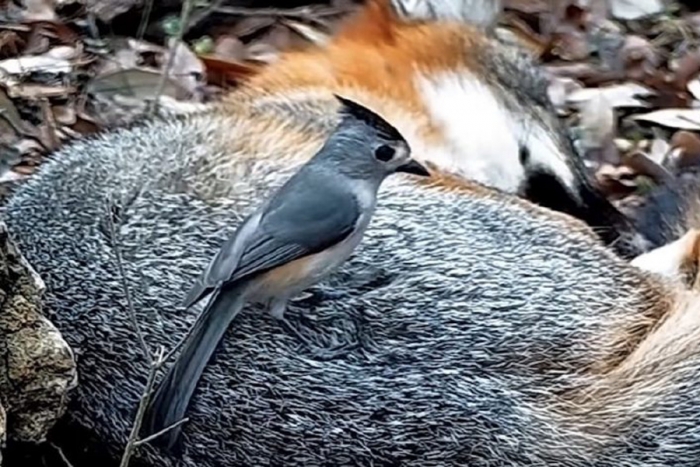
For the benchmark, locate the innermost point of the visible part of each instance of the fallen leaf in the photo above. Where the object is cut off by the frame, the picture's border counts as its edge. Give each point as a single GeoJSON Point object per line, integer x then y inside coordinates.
{"type": "Point", "coordinates": [685, 119]}
{"type": "Point", "coordinates": [534, 7]}
{"type": "Point", "coordinates": [39, 10]}
{"type": "Point", "coordinates": [65, 114]}
{"type": "Point", "coordinates": [616, 181]}
{"type": "Point", "coordinates": [694, 88]}
{"type": "Point", "coordinates": [684, 150]}
{"type": "Point", "coordinates": [311, 34]}
{"type": "Point", "coordinates": [685, 67]}
{"type": "Point", "coordinates": [37, 91]}
{"type": "Point", "coordinates": [140, 83]}
{"type": "Point", "coordinates": [106, 11]}
{"type": "Point", "coordinates": [9, 115]}
{"type": "Point", "coordinates": [597, 126]}
{"type": "Point", "coordinates": [560, 90]}
{"type": "Point", "coordinates": [635, 9]}
{"type": "Point", "coordinates": [658, 150]}
{"type": "Point", "coordinates": [252, 25]}
{"type": "Point", "coordinates": [617, 95]}
{"type": "Point", "coordinates": [228, 48]}
{"type": "Point", "coordinates": [607, 39]}
{"type": "Point", "coordinates": [643, 164]}
{"type": "Point", "coordinates": [35, 63]}
{"type": "Point", "coordinates": [187, 69]}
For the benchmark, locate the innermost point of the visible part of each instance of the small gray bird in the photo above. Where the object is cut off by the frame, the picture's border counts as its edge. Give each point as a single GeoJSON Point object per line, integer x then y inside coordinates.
{"type": "Point", "coordinates": [305, 231]}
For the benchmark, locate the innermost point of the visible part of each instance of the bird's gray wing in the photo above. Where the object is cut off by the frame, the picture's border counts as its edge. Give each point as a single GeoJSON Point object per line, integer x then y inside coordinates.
{"type": "Point", "coordinates": [305, 219]}
{"type": "Point", "coordinates": [225, 262]}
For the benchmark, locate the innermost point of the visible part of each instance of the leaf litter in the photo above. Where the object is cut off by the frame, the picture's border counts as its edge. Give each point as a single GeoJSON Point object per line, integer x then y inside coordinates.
{"type": "Point", "coordinates": [624, 74]}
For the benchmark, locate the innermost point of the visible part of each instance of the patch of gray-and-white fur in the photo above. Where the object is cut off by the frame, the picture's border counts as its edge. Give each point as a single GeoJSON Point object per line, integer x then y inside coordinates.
{"type": "Point", "coordinates": [471, 315]}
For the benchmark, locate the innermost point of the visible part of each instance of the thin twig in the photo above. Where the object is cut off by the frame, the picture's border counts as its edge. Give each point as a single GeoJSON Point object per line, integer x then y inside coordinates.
{"type": "Point", "coordinates": [62, 455]}
{"type": "Point", "coordinates": [144, 19]}
{"type": "Point", "coordinates": [143, 404]}
{"type": "Point", "coordinates": [125, 285]}
{"type": "Point", "coordinates": [150, 438]}
{"type": "Point", "coordinates": [184, 18]}
{"type": "Point", "coordinates": [304, 12]}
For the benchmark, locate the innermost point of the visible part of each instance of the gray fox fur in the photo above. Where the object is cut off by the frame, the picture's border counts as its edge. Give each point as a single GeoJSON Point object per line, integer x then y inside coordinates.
{"type": "Point", "coordinates": [487, 331]}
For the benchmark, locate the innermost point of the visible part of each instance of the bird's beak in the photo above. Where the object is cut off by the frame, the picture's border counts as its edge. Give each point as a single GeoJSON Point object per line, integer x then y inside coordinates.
{"type": "Point", "coordinates": [414, 168]}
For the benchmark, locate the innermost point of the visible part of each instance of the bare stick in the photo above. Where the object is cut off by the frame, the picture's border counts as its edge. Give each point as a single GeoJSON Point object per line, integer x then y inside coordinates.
{"type": "Point", "coordinates": [150, 438]}
{"type": "Point", "coordinates": [62, 455]}
{"type": "Point", "coordinates": [143, 404]}
{"type": "Point", "coordinates": [125, 285]}
{"type": "Point", "coordinates": [304, 12]}
{"type": "Point", "coordinates": [184, 18]}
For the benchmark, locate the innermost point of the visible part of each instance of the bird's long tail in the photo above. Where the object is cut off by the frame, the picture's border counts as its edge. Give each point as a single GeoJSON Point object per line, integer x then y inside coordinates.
{"type": "Point", "coordinates": [172, 397]}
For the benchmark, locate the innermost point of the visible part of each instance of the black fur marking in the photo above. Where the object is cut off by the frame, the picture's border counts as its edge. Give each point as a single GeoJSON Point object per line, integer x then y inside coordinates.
{"type": "Point", "coordinates": [669, 210]}
{"type": "Point", "coordinates": [524, 156]}
{"type": "Point", "coordinates": [593, 208]}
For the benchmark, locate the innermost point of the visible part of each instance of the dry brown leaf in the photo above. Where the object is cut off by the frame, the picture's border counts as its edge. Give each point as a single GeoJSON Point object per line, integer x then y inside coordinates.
{"type": "Point", "coordinates": [187, 69]}
{"type": "Point", "coordinates": [221, 71]}
{"type": "Point", "coordinates": [65, 114]}
{"type": "Point", "coordinates": [559, 91]}
{"type": "Point", "coordinates": [10, 119]}
{"type": "Point", "coordinates": [643, 164]}
{"type": "Point", "coordinates": [533, 7]}
{"type": "Point", "coordinates": [251, 25]}
{"type": "Point", "coordinates": [38, 91]}
{"type": "Point", "coordinates": [108, 10]}
{"type": "Point", "coordinates": [616, 181]}
{"type": "Point", "coordinates": [229, 48]}
{"type": "Point", "coordinates": [139, 83]}
{"type": "Point", "coordinates": [684, 150]}
{"type": "Point", "coordinates": [311, 34]}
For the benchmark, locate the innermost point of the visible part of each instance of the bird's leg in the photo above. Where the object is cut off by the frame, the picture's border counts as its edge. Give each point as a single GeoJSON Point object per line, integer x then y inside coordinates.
{"type": "Point", "coordinates": [277, 309]}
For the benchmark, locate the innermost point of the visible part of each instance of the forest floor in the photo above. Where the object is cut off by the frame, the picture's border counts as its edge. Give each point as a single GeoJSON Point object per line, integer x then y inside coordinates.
{"type": "Point", "coordinates": [624, 74]}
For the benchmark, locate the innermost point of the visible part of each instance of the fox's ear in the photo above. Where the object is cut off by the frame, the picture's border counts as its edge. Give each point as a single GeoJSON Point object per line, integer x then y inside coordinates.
{"type": "Point", "coordinates": [352, 109]}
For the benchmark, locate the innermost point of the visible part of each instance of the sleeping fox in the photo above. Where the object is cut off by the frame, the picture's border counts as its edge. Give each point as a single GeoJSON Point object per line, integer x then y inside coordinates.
{"type": "Point", "coordinates": [469, 106]}
{"type": "Point", "coordinates": [485, 330]}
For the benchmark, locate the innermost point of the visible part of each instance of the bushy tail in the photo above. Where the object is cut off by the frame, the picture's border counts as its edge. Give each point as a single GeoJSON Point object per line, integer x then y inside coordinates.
{"type": "Point", "coordinates": [171, 399]}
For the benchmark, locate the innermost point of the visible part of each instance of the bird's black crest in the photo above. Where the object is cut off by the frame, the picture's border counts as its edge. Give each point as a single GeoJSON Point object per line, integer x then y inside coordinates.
{"type": "Point", "coordinates": [360, 112]}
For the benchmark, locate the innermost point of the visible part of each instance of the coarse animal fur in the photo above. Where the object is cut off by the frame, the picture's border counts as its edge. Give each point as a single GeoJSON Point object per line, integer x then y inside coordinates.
{"type": "Point", "coordinates": [489, 331]}
{"type": "Point", "coordinates": [466, 103]}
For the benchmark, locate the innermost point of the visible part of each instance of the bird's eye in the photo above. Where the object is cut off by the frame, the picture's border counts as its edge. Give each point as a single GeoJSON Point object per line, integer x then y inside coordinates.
{"type": "Point", "coordinates": [384, 153]}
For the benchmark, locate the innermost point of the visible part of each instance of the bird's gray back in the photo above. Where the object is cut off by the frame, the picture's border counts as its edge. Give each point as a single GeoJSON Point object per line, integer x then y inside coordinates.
{"type": "Point", "coordinates": [472, 315]}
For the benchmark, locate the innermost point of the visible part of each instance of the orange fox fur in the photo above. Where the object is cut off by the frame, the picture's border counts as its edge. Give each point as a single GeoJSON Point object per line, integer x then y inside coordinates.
{"type": "Point", "coordinates": [467, 105]}
{"type": "Point", "coordinates": [371, 59]}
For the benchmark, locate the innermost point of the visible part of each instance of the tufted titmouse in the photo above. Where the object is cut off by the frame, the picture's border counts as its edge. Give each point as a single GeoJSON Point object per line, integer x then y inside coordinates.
{"type": "Point", "coordinates": [306, 230]}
